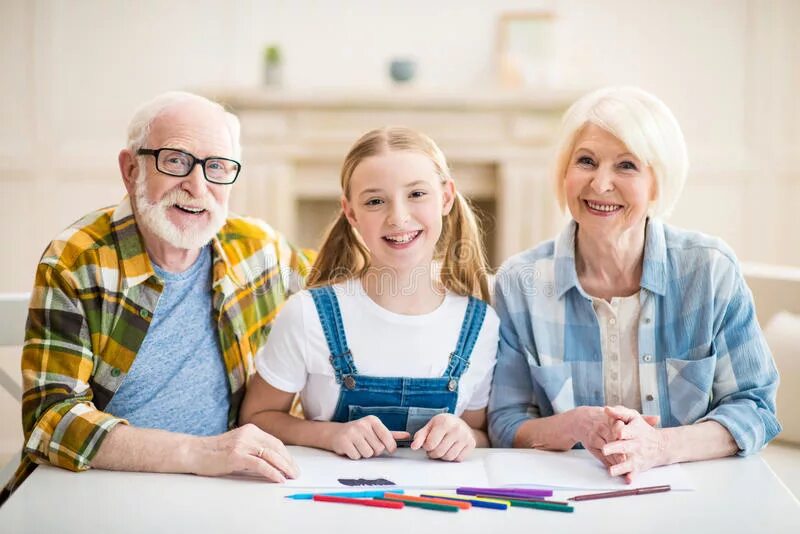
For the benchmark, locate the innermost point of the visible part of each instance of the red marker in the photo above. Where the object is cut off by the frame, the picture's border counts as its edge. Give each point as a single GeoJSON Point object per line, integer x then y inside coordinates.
{"type": "Point", "coordinates": [362, 502]}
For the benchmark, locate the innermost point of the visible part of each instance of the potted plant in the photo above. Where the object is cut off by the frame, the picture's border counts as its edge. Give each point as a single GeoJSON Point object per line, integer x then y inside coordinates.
{"type": "Point", "coordinates": [273, 61]}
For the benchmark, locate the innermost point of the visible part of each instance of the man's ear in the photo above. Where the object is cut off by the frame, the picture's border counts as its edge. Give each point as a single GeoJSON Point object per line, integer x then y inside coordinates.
{"type": "Point", "coordinates": [128, 168]}
{"type": "Point", "coordinates": [448, 197]}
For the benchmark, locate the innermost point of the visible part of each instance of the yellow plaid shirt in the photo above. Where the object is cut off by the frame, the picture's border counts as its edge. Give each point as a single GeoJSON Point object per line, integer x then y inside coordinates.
{"type": "Point", "coordinates": [92, 302]}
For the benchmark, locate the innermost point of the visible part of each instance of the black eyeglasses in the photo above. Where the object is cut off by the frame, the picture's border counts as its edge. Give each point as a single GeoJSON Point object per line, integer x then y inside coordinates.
{"type": "Point", "coordinates": [176, 162]}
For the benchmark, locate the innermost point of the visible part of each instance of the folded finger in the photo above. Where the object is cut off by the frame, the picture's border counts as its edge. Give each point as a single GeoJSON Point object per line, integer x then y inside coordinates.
{"type": "Point", "coordinates": [617, 447]}
{"type": "Point", "coordinates": [442, 447]}
{"type": "Point", "coordinates": [254, 465]}
{"type": "Point", "coordinates": [620, 469]}
{"type": "Point", "coordinates": [435, 437]}
{"type": "Point", "coordinates": [375, 443]}
{"type": "Point", "coordinates": [363, 447]}
{"type": "Point", "coordinates": [280, 463]}
{"type": "Point", "coordinates": [420, 436]}
{"type": "Point", "coordinates": [454, 451]}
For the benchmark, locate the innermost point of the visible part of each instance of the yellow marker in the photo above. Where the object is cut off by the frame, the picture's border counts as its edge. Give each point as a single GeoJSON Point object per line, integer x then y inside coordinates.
{"type": "Point", "coordinates": [469, 498]}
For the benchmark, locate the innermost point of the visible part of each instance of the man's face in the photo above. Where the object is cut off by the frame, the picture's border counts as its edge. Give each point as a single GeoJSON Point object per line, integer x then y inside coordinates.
{"type": "Point", "coordinates": [185, 212]}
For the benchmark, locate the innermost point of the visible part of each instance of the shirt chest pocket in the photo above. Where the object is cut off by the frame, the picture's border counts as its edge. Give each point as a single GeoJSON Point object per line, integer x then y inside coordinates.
{"type": "Point", "coordinates": [689, 384]}
{"type": "Point", "coordinates": [556, 383]}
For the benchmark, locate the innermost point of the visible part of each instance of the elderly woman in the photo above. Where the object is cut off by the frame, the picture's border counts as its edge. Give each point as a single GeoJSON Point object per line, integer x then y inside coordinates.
{"type": "Point", "coordinates": [631, 337]}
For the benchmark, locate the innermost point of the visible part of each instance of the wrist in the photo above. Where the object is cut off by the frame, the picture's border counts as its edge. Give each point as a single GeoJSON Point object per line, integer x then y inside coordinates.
{"type": "Point", "coordinates": [665, 452]}
{"type": "Point", "coordinates": [572, 425]}
{"type": "Point", "coordinates": [192, 453]}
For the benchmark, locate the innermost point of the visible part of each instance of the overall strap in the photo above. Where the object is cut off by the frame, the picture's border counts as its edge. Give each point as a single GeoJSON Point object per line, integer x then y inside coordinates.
{"type": "Point", "coordinates": [330, 316]}
{"type": "Point", "coordinates": [470, 328]}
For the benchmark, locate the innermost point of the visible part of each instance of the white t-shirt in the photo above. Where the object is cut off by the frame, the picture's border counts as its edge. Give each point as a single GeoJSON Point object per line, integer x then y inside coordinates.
{"type": "Point", "coordinates": [382, 343]}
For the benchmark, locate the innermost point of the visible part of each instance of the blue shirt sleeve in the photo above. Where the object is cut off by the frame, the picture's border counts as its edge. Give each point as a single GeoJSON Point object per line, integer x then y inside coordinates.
{"type": "Point", "coordinates": [745, 377]}
{"type": "Point", "coordinates": [511, 399]}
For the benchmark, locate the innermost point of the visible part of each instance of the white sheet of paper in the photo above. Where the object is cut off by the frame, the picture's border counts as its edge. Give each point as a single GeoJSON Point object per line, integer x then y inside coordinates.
{"type": "Point", "coordinates": [406, 468]}
{"type": "Point", "coordinates": [413, 469]}
{"type": "Point", "coordinates": [579, 470]}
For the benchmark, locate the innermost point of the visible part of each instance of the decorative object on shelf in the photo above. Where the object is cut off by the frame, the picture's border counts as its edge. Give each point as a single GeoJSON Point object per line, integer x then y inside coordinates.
{"type": "Point", "coordinates": [273, 65]}
{"type": "Point", "coordinates": [526, 49]}
{"type": "Point", "coordinates": [402, 70]}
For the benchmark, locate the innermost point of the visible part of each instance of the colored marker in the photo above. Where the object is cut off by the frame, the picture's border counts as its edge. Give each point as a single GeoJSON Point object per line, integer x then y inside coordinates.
{"type": "Point", "coordinates": [362, 502]}
{"type": "Point", "coordinates": [533, 499]}
{"type": "Point", "coordinates": [418, 504]}
{"type": "Point", "coordinates": [476, 502]}
{"type": "Point", "coordinates": [353, 494]}
{"type": "Point", "coordinates": [542, 505]}
{"type": "Point", "coordinates": [434, 500]}
{"type": "Point", "coordinates": [621, 493]}
{"type": "Point", "coordinates": [506, 492]}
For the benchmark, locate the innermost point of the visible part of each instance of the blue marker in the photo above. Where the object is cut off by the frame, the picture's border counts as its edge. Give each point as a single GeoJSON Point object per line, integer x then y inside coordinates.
{"type": "Point", "coordinates": [353, 494]}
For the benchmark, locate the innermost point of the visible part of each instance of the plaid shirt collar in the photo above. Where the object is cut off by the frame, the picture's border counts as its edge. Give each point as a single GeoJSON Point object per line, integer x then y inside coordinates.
{"type": "Point", "coordinates": [654, 268]}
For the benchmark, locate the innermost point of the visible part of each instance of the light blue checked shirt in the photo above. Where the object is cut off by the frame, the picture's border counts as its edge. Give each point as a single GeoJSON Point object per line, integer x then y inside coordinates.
{"type": "Point", "coordinates": [701, 354]}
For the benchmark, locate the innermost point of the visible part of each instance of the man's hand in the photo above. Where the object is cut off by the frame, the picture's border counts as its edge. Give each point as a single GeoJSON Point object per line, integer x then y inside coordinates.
{"type": "Point", "coordinates": [245, 450]}
{"type": "Point", "coordinates": [364, 438]}
{"type": "Point", "coordinates": [445, 437]}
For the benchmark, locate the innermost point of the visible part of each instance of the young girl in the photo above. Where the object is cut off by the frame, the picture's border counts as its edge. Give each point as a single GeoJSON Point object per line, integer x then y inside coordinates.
{"type": "Point", "coordinates": [390, 342]}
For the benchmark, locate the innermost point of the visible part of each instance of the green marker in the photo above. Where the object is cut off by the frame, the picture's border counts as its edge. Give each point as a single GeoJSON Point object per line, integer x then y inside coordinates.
{"type": "Point", "coordinates": [542, 505]}
{"type": "Point", "coordinates": [425, 505]}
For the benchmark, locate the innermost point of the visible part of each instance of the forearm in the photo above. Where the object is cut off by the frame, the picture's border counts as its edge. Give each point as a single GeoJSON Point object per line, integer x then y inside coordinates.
{"type": "Point", "coordinates": [128, 448]}
{"type": "Point", "coordinates": [294, 431]}
{"type": "Point", "coordinates": [701, 441]}
{"type": "Point", "coordinates": [481, 438]}
{"type": "Point", "coordinates": [554, 433]}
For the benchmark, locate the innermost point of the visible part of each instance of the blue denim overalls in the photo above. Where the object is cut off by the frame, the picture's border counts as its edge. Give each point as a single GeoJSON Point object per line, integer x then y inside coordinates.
{"type": "Point", "coordinates": [402, 404]}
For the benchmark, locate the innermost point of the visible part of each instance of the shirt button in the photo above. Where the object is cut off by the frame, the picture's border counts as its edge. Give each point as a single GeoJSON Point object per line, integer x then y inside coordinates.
{"type": "Point", "coordinates": [647, 357]}
{"type": "Point", "coordinates": [647, 320]}
{"type": "Point", "coordinates": [614, 376]}
{"type": "Point", "coordinates": [613, 338]}
{"type": "Point", "coordinates": [649, 397]}
{"type": "Point", "coordinates": [115, 372]}
{"type": "Point", "coordinates": [143, 313]}
{"type": "Point", "coordinates": [612, 321]}
{"type": "Point", "coordinates": [614, 356]}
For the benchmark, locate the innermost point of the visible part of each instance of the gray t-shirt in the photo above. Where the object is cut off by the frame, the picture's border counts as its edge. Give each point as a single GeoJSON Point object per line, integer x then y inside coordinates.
{"type": "Point", "coordinates": [177, 381]}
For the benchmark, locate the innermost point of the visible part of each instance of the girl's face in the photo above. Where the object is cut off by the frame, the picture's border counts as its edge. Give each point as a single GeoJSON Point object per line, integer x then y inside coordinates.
{"type": "Point", "coordinates": [608, 190]}
{"type": "Point", "coordinates": [397, 202]}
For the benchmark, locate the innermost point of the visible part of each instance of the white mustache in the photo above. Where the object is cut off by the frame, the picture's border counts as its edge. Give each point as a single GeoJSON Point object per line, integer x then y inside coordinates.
{"type": "Point", "coordinates": [179, 196]}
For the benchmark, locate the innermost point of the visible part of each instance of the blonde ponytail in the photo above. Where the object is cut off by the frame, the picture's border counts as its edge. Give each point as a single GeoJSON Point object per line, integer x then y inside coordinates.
{"type": "Point", "coordinates": [342, 256]}
{"type": "Point", "coordinates": [465, 268]}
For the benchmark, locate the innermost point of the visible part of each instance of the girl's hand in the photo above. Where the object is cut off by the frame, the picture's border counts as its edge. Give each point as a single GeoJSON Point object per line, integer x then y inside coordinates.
{"type": "Point", "coordinates": [364, 438]}
{"type": "Point", "coordinates": [635, 437]}
{"type": "Point", "coordinates": [445, 437]}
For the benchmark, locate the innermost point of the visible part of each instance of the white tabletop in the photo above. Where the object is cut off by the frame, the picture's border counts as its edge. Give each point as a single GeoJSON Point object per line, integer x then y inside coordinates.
{"type": "Point", "coordinates": [732, 495]}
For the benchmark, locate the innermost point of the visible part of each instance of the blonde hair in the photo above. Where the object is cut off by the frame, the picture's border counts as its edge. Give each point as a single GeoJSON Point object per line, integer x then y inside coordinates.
{"type": "Point", "coordinates": [343, 255]}
{"type": "Point", "coordinates": [644, 124]}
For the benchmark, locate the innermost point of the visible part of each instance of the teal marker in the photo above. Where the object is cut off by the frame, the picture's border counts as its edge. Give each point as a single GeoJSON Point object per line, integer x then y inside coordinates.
{"type": "Point", "coordinates": [352, 494]}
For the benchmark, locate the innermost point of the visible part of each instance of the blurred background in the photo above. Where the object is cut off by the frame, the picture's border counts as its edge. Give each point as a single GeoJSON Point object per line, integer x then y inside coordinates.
{"type": "Point", "coordinates": [487, 79]}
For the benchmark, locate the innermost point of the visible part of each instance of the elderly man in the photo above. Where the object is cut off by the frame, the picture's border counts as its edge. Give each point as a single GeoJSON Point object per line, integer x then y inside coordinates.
{"type": "Point", "coordinates": [145, 317]}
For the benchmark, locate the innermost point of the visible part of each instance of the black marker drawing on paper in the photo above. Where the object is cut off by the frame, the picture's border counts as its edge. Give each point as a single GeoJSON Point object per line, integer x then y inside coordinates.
{"type": "Point", "coordinates": [366, 482]}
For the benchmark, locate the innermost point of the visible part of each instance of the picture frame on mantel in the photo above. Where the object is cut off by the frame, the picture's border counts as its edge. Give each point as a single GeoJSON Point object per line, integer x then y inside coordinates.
{"type": "Point", "coordinates": [526, 49]}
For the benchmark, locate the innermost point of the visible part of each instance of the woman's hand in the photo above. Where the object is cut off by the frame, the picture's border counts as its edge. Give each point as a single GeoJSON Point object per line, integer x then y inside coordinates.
{"type": "Point", "coordinates": [635, 437]}
{"type": "Point", "coordinates": [593, 428]}
{"type": "Point", "coordinates": [364, 438]}
{"type": "Point", "coordinates": [445, 437]}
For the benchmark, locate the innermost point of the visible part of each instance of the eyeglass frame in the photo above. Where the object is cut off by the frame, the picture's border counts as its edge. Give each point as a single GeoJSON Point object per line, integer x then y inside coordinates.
{"type": "Point", "coordinates": [202, 162]}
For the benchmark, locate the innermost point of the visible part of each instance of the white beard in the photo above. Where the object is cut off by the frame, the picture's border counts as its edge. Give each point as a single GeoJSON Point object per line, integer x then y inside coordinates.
{"type": "Point", "coordinates": [153, 216]}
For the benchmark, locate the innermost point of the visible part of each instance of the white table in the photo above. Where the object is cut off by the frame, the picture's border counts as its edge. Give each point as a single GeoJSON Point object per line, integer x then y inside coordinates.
{"type": "Point", "coordinates": [732, 495]}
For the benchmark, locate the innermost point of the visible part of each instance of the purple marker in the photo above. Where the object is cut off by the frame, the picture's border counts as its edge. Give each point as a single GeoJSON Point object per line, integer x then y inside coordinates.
{"type": "Point", "coordinates": [509, 492]}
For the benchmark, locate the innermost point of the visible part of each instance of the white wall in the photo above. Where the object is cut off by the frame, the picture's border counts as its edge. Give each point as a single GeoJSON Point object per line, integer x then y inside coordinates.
{"type": "Point", "coordinates": [72, 72]}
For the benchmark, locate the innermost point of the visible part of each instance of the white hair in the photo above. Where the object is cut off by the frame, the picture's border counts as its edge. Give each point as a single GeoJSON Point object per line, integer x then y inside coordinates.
{"type": "Point", "coordinates": [139, 126]}
{"type": "Point", "coordinates": [644, 124]}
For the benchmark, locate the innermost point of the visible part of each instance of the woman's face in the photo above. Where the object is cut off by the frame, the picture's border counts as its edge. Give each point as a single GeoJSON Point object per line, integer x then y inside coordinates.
{"type": "Point", "coordinates": [608, 189]}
